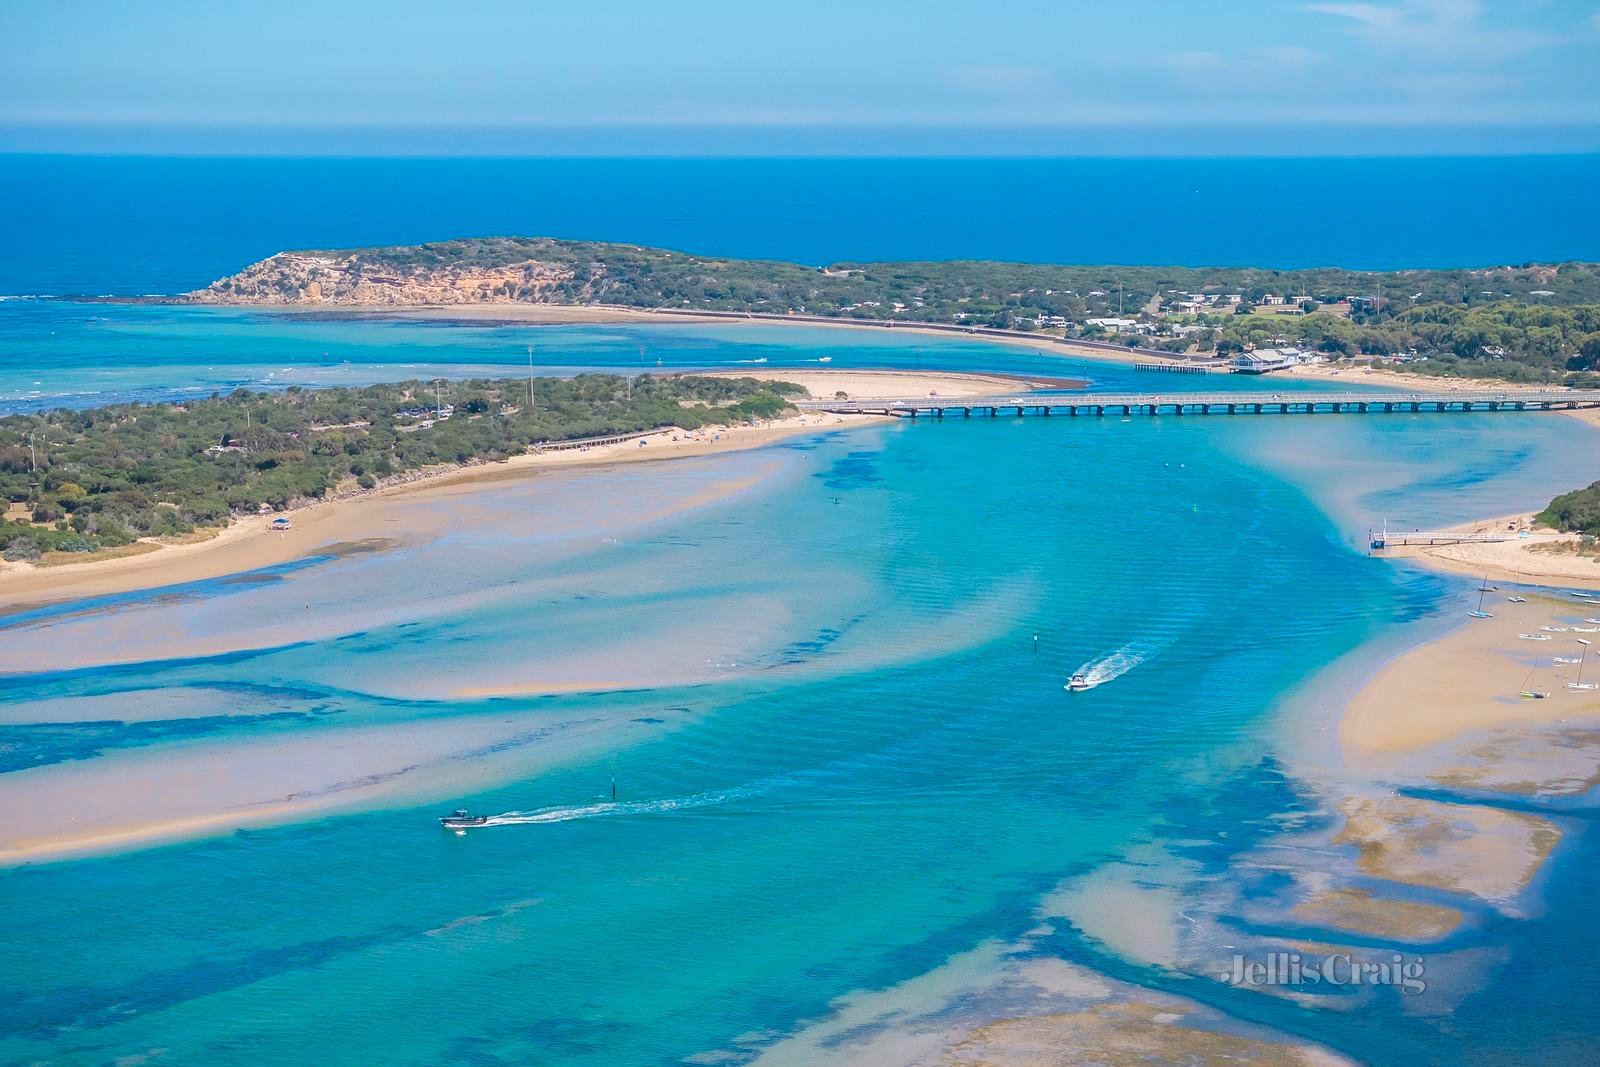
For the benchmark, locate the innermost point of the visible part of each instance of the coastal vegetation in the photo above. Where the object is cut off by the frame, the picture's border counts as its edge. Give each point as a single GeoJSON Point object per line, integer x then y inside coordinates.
{"type": "Point", "coordinates": [88, 480]}
{"type": "Point", "coordinates": [1577, 511]}
{"type": "Point", "coordinates": [1528, 323]}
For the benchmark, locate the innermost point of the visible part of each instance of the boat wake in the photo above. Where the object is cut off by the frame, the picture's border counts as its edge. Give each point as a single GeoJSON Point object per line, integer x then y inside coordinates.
{"type": "Point", "coordinates": [622, 807]}
{"type": "Point", "coordinates": [1111, 666]}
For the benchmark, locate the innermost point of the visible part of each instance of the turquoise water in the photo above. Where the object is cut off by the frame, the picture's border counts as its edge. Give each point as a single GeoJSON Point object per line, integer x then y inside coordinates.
{"type": "Point", "coordinates": [811, 671]}
{"type": "Point", "coordinates": [71, 354]}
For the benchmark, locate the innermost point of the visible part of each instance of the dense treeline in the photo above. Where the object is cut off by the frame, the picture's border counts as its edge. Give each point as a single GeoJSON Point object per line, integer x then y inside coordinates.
{"type": "Point", "coordinates": [1519, 342]}
{"type": "Point", "coordinates": [934, 291]}
{"type": "Point", "coordinates": [1577, 511]}
{"type": "Point", "coordinates": [102, 477]}
{"type": "Point", "coordinates": [1536, 322]}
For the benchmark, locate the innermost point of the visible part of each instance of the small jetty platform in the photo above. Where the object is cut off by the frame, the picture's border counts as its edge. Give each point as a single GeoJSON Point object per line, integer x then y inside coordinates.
{"type": "Point", "coordinates": [1397, 539]}
{"type": "Point", "coordinates": [1197, 367]}
{"type": "Point", "coordinates": [1241, 403]}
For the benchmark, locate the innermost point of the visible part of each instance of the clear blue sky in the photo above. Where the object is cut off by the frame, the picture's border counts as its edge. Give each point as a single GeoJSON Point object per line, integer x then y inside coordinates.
{"type": "Point", "coordinates": [417, 75]}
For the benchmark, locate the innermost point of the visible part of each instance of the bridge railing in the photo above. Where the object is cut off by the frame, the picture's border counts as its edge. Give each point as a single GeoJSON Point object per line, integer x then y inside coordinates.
{"type": "Point", "coordinates": [1297, 399]}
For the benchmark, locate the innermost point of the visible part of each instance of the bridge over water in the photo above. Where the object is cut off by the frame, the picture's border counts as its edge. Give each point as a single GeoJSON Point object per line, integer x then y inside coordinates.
{"type": "Point", "coordinates": [1241, 403]}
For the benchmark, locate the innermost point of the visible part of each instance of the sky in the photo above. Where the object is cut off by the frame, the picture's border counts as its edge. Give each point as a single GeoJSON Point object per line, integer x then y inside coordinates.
{"type": "Point", "coordinates": [496, 76]}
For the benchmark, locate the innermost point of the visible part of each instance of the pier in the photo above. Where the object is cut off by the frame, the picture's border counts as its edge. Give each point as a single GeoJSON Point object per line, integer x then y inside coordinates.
{"type": "Point", "coordinates": [1243, 403]}
{"type": "Point", "coordinates": [1394, 539]}
{"type": "Point", "coordinates": [1219, 366]}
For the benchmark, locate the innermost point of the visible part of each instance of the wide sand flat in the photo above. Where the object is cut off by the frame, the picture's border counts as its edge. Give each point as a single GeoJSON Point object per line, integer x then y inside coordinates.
{"type": "Point", "coordinates": [1469, 681]}
{"type": "Point", "coordinates": [826, 384]}
{"type": "Point", "coordinates": [249, 544]}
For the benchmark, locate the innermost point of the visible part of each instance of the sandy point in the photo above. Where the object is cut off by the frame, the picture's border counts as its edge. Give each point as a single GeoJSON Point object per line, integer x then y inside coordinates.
{"type": "Point", "coordinates": [388, 514]}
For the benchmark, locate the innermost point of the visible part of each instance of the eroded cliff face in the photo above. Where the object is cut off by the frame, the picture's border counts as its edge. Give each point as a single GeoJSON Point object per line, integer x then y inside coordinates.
{"type": "Point", "coordinates": [311, 278]}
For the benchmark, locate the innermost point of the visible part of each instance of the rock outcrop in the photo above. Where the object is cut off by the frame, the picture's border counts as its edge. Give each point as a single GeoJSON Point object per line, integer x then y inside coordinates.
{"type": "Point", "coordinates": [338, 278]}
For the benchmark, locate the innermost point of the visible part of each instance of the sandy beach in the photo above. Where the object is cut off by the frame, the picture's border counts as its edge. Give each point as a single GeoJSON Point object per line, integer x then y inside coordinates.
{"type": "Point", "coordinates": [388, 511]}
{"type": "Point", "coordinates": [1409, 382]}
{"type": "Point", "coordinates": [571, 314]}
{"type": "Point", "coordinates": [1541, 557]}
{"type": "Point", "coordinates": [248, 544]}
{"type": "Point", "coordinates": [1468, 681]}
{"type": "Point", "coordinates": [823, 384]}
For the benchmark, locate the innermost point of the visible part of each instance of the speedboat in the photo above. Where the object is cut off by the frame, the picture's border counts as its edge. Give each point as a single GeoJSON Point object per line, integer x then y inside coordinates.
{"type": "Point", "coordinates": [1536, 637]}
{"type": "Point", "coordinates": [1586, 686]}
{"type": "Point", "coordinates": [1517, 599]}
{"type": "Point", "coordinates": [1078, 683]}
{"type": "Point", "coordinates": [1533, 694]}
{"type": "Point", "coordinates": [1554, 629]}
{"type": "Point", "coordinates": [1566, 660]}
{"type": "Point", "coordinates": [1586, 629]}
{"type": "Point", "coordinates": [459, 820]}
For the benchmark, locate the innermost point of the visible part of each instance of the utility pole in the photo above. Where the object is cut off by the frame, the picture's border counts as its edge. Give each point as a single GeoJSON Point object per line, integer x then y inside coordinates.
{"type": "Point", "coordinates": [438, 399]}
{"type": "Point", "coordinates": [530, 379]}
{"type": "Point", "coordinates": [33, 457]}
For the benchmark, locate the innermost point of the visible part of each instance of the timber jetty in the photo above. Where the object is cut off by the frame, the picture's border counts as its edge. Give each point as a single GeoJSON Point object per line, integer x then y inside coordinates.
{"type": "Point", "coordinates": [1241, 403]}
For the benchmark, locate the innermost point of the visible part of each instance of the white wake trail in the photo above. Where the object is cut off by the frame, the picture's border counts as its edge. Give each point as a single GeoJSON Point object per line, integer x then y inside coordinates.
{"type": "Point", "coordinates": [623, 807]}
{"type": "Point", "coordinates": [1111, 665]}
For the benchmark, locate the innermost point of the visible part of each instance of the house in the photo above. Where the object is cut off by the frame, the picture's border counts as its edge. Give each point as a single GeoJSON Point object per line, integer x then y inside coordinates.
{"type": "Point", "coordinates": [1114, 325]}
{"type": "Point", "coordinates": [1260, 362]}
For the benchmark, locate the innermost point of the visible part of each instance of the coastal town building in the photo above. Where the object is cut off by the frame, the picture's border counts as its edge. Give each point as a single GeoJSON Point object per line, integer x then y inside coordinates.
{"type": "Point", "coordinates": [1263, 361]}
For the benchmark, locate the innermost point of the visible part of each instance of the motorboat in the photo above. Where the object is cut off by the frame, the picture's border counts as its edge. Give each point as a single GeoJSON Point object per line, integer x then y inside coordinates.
{"type": "Point", "coordinates": [1078, 683]}
{"type": "Point", "coordinates": [459, 820]}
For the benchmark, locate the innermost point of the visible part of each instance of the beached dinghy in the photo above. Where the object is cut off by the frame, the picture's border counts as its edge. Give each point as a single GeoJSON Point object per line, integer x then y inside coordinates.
{"type": "Point", "coordinates": [1517, 599]}
{"type": "Point", "coordinates": [1536, 637]}
{"type": "Point", "coordinates": [1554, 629]}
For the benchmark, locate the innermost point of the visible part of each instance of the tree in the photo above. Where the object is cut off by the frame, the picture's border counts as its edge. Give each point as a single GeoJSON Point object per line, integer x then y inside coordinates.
{"type": "Point", "coordinates": [1588, 355]}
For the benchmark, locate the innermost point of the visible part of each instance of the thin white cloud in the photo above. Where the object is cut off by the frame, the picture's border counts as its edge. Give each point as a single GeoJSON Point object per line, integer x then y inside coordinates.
{"type": "Point", "coordinates": [1454, 27]}
{"type": "Point", "coordinates": [1368, 14]}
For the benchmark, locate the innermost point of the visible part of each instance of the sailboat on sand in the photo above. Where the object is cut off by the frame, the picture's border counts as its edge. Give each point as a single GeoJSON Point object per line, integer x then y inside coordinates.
{"type": "Point", "coordinates": [1528, 690]}
{"type": "Point", "coordinates": [1580, 683]}
{"type": "Point", "coordinates": [1479, 613]}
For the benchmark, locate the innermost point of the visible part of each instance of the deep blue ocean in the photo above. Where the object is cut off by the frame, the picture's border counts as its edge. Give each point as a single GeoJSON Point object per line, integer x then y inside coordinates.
{"type": "Point", "coordinates": [856, 814]}
{"type": "Point", "coordinates": [87, 225]}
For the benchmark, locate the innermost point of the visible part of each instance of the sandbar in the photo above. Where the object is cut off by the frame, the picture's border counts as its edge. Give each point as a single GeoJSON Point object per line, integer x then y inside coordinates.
{"type": "Point", "coordinates": [249, 544]}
